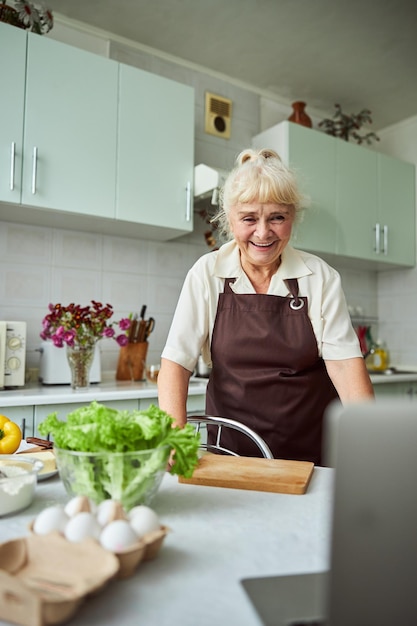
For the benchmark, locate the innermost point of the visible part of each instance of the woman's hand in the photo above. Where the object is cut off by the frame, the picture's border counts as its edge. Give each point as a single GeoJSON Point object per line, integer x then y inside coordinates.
{"type": "Point", "coordinates": [171, 461]}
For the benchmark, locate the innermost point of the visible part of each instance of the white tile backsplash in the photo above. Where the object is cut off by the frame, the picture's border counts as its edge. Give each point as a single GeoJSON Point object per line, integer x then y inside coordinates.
{"type": "Point", "coordinates": [21, 243]}
{"type": "Point", "coordinates": [125, 255]}
{"type": "Point", "coordinates": [75, 285]}
{"type": "Point", "coordinates": [68, 266]}
{"type": "Point", "coordinates": [24, 285]}
{"type": "Point", "coordinates": [77, 249]}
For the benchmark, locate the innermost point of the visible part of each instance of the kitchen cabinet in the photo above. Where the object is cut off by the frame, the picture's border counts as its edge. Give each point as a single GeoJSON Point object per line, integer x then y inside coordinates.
{"type": "Point", "coordinates": [12, 79]}
{"type": "Point", "coordinates": [377, 212]}
{"type": "Point", "coordinates": [396, 204]}
{"type": "Point", "coordinates": [21, 415]}
{"type": "Point", "coordinates": [363, 202]}
{"type": "Point", "coordinates": [397, 390]}
{"type": "Point", "coordinates": [155, 151]}
{"type": "Point", "coordinates": [62, 126]}
{"type": "Point", "coordinates": [81, 149]}
{"type": "Point", "coordinates": [70, 129]}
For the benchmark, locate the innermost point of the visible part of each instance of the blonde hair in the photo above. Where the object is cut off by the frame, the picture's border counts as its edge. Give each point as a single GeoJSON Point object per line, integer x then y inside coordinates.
{"type": "Point", "coordinates": [258, 176]}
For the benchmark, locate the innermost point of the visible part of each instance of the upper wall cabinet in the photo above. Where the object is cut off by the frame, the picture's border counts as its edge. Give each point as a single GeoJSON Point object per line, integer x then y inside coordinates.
{"type": "Point", "coordinates": [69, 145]}
{"type": "Point", "coordinates": [64, 126]}
{"type": "Point", "coordinates": [89, 143]}
{"type": "Point", "coordinates": [12, 80]}
{"type": "Point", "coordinates": [155, 151]}
{"type": "Point", "coordinates": [362, 202]}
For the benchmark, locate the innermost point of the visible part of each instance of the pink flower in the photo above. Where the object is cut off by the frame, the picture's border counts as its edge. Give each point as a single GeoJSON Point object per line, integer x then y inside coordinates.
{"type": "Point", "coordinates": [124, 323]}
{"type": "Point", "coordinates": [76, 325]}
{"type": "Point", "coordinates": [122, 340]}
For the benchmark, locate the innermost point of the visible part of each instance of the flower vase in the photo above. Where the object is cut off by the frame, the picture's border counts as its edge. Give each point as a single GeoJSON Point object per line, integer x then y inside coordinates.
{"type": "Point", "coordinates": [80, 359]}
{"type": "Point", "coordinates": [299, 116]}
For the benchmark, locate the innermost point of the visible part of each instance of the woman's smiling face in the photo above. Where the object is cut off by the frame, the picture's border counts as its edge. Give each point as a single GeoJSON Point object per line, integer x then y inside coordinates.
{"type": "Point", "coordinates": [261, 231]}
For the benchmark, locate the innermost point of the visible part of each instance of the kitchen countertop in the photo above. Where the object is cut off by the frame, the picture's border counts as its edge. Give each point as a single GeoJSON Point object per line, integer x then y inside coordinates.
{"type": "Point", "coordinates": [35, 393]}
{"type": "Point", "coordinates": [401, 377]}
{"type": "Point", "coordinates": [218, 536]}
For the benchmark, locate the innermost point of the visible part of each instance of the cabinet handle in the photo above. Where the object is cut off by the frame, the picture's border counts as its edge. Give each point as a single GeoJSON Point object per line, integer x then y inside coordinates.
{"type": "Point", "coordinates": [12, 164]}
{"type": "Point", "coordinates": [34, 168]}
{"type": "Point", "coordinates": [385, 239]}
{"type": "Point", "coordinates": [188, 206]}
{"type": "Point", "coordinates": [377, 238]}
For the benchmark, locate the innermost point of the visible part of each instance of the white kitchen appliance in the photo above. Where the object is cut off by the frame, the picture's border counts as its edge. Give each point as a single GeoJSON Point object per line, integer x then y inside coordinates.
{"type": "Point", "coordinates": [54, 368]}
{"type": "Point", "coordinates": [207, 182]}
{"type": "Point", "coordinates": [12, 354]}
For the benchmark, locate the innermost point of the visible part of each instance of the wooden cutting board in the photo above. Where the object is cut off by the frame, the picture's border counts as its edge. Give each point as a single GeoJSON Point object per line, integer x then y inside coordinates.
{"type": "Point", "coordinates": [238, 472]}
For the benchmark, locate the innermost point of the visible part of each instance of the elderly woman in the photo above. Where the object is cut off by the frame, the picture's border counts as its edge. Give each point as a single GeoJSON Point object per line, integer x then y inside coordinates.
{"type": "Point", "coordinates": [272, 322]}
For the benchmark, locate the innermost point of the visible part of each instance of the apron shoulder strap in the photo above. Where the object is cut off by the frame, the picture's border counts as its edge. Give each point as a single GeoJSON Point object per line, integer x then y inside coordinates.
{"type": "Point", "coordinates": [227, 283]}
{"type": "Point", "coordinates": [296, 302]}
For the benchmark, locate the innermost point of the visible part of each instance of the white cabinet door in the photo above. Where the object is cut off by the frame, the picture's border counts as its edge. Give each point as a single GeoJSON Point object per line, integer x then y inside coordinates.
{"type": "Point", "coordinates": [363, 203]}
{"type": "Point", "coordinates": [21, 415]}
{"type": "Point", "coordinates": [397, 390]}
{"type": "Point", "coordinates": [155, 151]}
{"type": "Point", "coordinates": [397, 214]}
{"type": "Point", "coordinates": [12, 79]}
{"type": "Point", "coordinates": [356, 200]}
{"type": "Point", "coordinates": [70, 129]}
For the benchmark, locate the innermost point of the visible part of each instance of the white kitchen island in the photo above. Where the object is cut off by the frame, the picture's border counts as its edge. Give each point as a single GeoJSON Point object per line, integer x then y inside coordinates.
{"type": "Point", "coordinates": [218, 536]}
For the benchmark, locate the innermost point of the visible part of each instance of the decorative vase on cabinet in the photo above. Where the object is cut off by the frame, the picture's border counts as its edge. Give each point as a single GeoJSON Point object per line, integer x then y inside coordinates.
{"type": "Point", "coordinates": [299, 116]}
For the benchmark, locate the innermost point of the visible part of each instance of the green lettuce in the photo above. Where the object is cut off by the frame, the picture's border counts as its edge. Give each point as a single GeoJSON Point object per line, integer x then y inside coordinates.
{"type": "Point", "coordinates": [100, 429]}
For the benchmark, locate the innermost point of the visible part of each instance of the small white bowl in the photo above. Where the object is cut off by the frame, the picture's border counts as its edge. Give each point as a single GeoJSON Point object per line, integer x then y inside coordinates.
{"type": "Point", "coordinates": [18, 479]}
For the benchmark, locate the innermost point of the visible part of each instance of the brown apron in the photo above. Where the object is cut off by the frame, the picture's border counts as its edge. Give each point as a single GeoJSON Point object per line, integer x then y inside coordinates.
{"type": "Point", "coordinates": [267, 373]}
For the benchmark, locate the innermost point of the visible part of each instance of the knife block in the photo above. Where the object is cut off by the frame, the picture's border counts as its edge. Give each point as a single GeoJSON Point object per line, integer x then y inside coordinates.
{"type": "Point", "coordinates": [132, 359]}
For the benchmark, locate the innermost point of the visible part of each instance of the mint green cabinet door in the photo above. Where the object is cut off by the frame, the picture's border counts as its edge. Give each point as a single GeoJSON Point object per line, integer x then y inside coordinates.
{"type": "Point", "coordinates": [396, 201]}
{"type": "Point", "coordinates": [398, 390]}
{"type": "Point", "coordinates": [356, 200]}
{"type": "Point", "coordinates": [312, 156]}
{"type": "Point", "coordinates": [389, 390]}
{"type": "Point", "coordinates": [12, 80]}
{"type": "Point", "coordinates": [70, 129]}
{"type": "Point", "coordinates": [155, 151]}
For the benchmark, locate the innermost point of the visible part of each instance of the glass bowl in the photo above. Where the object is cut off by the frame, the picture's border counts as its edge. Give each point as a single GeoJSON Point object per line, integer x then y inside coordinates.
{"type": "Point", "coordinates": [131, 478]}
{"type": "Point", "coordinates": [18, 478]}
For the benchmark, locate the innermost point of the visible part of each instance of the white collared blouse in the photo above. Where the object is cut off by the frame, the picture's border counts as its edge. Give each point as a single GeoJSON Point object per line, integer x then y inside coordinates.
{"type": "Point", "coordinates": [192, 326]}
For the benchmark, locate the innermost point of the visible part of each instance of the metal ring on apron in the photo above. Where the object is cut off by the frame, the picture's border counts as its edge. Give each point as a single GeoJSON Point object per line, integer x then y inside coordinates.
{"type": "Point", "coordinates": [295, 306]}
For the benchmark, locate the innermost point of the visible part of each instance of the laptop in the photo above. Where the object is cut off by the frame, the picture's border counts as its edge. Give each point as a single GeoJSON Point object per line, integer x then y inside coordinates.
{"type": "Point", "coordinates": [373, 563]}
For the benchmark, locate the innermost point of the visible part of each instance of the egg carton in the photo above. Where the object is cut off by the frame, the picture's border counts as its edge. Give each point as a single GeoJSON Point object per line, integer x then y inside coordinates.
{"type": "Point", "coordinates": [35, 588]}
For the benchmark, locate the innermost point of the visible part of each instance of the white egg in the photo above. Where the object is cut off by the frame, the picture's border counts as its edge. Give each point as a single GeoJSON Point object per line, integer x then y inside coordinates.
{"type": "Point", "coordinates": [143, 520]}
{"type": "Point", "coordinates": [118, 535]}
{"type": "Point", "coordinates": [108, 511]}
{"type": "Point", "coordinates": [50, 519]}
{"type": "Point", "coordinates": [78, 504]}
{"type": "Point", "coordinates": [82, 526]}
